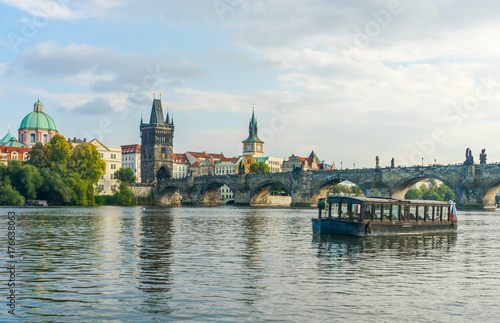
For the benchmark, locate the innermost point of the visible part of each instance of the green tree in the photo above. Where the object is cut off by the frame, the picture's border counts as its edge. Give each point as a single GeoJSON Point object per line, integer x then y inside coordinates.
{"type": "Point", "coordinates": [37, 156]}
{"type": "Point", "coordinates": [86, 162]}
{"type": "Point", "coordinates": [25, 178]}
{"type": "Point", "coordinates": [79, 189]}
{"type": "Point", "coordinates": [413, 194]}
{"type": "Point", "coordinates": [54, 189]}
{"type": "Point", "coordinates": [125, 175]}
{"type": "Point", "coordinates": [337, 189]}
{"type": "Point", "coordinates": [8, 195]}
{"type": "Point", "coordinates": [58, 153]}
{"type": "Point", "coordinates": [356, 191]}
{"type": "Point", "coordinates": [432, 196]}
{"type": "Point", "coordinates": [256, 167]}
{"type": "Point", "coordinates": [124, 195]}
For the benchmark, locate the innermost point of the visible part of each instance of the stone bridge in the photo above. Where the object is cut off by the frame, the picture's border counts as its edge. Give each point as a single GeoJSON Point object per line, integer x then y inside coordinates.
{"type": "Point", "coordinates": [473, 185]}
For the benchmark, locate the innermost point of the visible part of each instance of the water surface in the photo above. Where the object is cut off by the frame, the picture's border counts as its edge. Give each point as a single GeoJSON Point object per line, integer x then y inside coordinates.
{"type": "Point", "coordinates": [113, 264]}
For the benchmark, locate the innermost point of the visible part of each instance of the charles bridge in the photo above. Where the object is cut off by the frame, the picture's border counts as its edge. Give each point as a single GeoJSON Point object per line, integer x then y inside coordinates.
{"type": "Point", "coordinates": [473, 185]}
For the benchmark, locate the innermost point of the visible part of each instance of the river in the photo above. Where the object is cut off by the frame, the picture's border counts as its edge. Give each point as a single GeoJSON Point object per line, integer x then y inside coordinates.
{"type": "Point", "coordinates": [226, 264]}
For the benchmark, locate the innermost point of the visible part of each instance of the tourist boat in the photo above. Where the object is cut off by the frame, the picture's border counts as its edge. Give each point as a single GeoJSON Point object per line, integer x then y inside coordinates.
{"type": "Point", "coordinates": [36, 203]}
{"type": "Point", "coordinates": [362, 216]}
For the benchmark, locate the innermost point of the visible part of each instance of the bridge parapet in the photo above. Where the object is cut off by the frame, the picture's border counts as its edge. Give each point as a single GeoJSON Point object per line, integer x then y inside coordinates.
{"type": "Point", "coordinates": [474, 185]}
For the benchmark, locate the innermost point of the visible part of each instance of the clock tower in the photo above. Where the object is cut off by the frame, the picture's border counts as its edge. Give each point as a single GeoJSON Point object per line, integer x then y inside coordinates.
{"type": "Point", "coordinates": [253, 145]}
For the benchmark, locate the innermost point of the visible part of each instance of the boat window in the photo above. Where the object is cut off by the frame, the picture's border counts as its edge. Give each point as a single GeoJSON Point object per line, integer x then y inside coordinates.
{"type": "Point", "coordinates": [356, 211]}
{"type": "Point", "coordinates": [395, 212]}
{"type": "Point", "coordinates": [412, 211]}
{"type": "Point", "coordinates": [421, 212]}
{"type": "Point", "coordinates": [445, 213]}
{"type": "Point", "coordinates": [344, 211]}
{"type": "Point", "coordinates": [334, 210]}
{"type": "Point", "coordinates": [439, 213]}
{"type": "Point", "coordinates": [378, 212]}
{"type": "Point", "coordinates": [368, 212]}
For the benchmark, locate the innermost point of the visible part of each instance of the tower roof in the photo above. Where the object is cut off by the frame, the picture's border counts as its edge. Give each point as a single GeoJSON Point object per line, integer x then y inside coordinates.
{"type": "Point", "coordinates": [156, 113]}
{"type": "Point", "coordinates": [252, 130]}
{"type": "Point", "coordinates": [6, 138]}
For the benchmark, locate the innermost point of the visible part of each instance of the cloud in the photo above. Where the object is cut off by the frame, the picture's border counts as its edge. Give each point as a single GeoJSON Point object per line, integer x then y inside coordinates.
{"type": "Point", "coordinates": [95, 107]}
{"type": "Point", "coordinates": [102, 69]}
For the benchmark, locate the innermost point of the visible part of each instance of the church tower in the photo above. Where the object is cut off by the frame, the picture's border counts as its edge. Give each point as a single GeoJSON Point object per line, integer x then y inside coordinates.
{"type": "Point", "coordinates": [253, 145]}
{"type": "Point", "coordinates": [157, 145]}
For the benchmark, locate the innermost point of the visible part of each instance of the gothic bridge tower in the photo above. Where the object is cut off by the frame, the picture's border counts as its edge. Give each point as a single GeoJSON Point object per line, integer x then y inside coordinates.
{"type": "Point", "coordinates": [157, 145]}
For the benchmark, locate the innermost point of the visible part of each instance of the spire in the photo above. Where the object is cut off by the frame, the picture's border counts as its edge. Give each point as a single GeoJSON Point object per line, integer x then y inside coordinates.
{"type": "Point", "coordinates": [252, 129]}
{"type": "Point", "coordinates": [141, 120]}
{"type": "Point", "coordinates": [167, 121]}
{"type": "Point", "coordinates": [156, 113]}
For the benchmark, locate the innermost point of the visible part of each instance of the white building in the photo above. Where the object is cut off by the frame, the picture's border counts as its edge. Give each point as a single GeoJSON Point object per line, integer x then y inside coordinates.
{"type": "Point", "coordinates": [181, 166]}
{"type": "Point", "coordinates": [131, 158]}
{"type": "Point", "coordinates": [226, 194]}
{"type": "Point", "coordinates": [112, 156]}
{"type": "Point", "coordinates": [227, 166]}
{"type": "Point", "coordinates": [274, 163]}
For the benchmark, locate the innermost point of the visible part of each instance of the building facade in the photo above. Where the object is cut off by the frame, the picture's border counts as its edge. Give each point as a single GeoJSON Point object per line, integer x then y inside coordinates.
{"type": "Point", "coordinates": [227, 166]}
{"type": "Point", "coordinates": [157, 139]}
{"type": "Point", "coordinates": [131, 158]}
{"type": "Point", "coordinates": [37, 126]}
{"type": "Point", "coordinates": [253, 146]}
{"type": "Point", "coordinates": [112, 156]}
{"type": "Point", "coordinates": [181, 166]}
{"type": "Point", "coordinates": [274, 163]}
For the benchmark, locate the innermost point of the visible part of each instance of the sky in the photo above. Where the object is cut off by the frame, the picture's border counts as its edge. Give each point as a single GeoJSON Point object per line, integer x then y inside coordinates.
{"type": "Point", "coordinates": [417, 81]}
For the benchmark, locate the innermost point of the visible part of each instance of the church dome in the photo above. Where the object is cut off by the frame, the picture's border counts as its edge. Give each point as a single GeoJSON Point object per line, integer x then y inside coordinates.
{"type": "Point", "coordinates": [38, 119]}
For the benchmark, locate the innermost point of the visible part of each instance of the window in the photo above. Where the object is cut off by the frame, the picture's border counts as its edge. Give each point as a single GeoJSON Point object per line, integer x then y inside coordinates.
{"type": "Point", "coordinates": [113, 156]}
{"type": "Point", "coordinates": [33, 137]}
{"type": "Point", "coordinates": [113, 166]}
{"type": "Point", "coordinates": [102, 155]}
{"type": "Point", "coordinates": [45, 138]}
{"type": "Point", "coordinates": [101, 187]}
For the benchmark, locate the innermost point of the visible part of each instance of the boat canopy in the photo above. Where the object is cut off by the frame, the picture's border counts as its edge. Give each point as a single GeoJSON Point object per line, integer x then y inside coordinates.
{"type": "Point", "coordinates": [381, 200]}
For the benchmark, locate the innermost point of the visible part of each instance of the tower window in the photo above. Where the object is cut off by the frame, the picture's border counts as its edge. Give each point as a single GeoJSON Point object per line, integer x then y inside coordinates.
{"type": "Point", "coordinates": [33, 137]}
{"type": "Point", "coordinates": [45, 138]}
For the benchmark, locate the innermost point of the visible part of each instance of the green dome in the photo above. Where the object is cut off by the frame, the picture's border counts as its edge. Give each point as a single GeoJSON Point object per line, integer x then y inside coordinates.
{"type": "Point", "coordinates": [38, 120]}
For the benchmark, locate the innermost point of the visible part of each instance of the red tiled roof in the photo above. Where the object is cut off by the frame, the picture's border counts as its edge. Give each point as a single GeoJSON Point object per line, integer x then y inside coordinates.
{"type": "Point", "coordinates": [20, 150]}
{"type": "Point", "coordinates": [233, 160]}
{"type": "Point", "coordinates": [131, 149]}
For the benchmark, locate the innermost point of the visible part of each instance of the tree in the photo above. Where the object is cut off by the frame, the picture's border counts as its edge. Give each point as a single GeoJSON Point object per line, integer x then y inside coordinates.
{"type": "Point", "coordinates": [124, 195]}
{"type": "Point", "coordinates": [79, 189]}
{"type": "Point", "coordinates": [413, 194]}
{"type": "Point", "coordinates": [86, 162]}
{"type": "Point", "coordinates": [356, 191]}
{"type": "Point", "coordinates": [37, 156]}
{"type": "Point", "coordinates": [58, 153]}
{"type": "Point", "coordinates": [8, 195]}
{"type": "Point", "coordinates": [54, 188]}
{"type": "Point", "coordinates": [25, 178]}
{"type": "Point", "coordinates": [259, 167]}
{"type": "Point", "coordinates": [125, 175]}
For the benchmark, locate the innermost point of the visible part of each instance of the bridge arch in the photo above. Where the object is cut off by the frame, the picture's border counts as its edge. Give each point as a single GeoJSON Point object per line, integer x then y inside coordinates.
{"type": "Point", "coordinates": [169, 195]}
{"type": "Point", "coordinates": [400, 188]}
{"type": "Point", "coordinates": [489, 193]}
{"type": "Point", "coordinates": [209, 193]}
{"type": "Point", "coordinates": [260, 195]}
{"type": "Point", "coordinates": [326, 186]}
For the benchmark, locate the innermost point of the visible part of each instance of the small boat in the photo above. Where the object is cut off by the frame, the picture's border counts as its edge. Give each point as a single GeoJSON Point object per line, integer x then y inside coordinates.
{"type": "Point", "coordinates": [36, 203]}
{"type": "Point", "coordinates": [363, 216]}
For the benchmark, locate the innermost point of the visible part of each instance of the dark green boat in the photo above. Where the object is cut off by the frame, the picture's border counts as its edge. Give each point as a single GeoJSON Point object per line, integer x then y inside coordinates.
{"type": "Point", "coordinates": [361, 216]}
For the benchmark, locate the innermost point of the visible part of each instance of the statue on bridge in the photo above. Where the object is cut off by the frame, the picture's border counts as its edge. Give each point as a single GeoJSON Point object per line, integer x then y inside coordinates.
{"type": "Point", "coordinates": [392, 162]}
{"type": "Point", "coordinates": [482, 157]}
{"type": "Point", "coordinates": [469, 159]}
{"type": "Point", "coordinates": [377, 162]}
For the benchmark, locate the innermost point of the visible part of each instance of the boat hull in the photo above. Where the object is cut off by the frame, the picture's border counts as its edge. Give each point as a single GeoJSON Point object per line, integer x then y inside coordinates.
{"type": "Point", "coordinates": [387, 228]}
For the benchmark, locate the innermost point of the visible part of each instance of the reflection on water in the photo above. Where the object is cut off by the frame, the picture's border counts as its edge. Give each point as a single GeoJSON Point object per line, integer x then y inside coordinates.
{"type": "Point", "coordinates": [227, 264]}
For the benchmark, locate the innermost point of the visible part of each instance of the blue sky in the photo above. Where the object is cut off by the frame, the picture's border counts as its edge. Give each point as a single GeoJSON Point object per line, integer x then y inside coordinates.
{"type": "Point", "coordinates": [351, 80]}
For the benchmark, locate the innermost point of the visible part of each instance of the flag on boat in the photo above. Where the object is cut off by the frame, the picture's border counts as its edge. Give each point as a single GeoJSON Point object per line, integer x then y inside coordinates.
{"type": "Point", "coordinates": [453, 212]}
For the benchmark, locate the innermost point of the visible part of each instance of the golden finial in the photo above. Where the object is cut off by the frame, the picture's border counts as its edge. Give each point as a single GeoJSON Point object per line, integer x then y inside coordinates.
{"type": "Point", "coordinates": [153, 95]}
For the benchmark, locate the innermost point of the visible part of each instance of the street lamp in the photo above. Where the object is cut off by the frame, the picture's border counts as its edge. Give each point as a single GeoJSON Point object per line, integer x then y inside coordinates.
{"type": "Point", "coordinates": [422, 161]}
{"type": "Point", "coordinates": [354, 166]}
{"type": "Point", "coordinates": [340, 165]}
